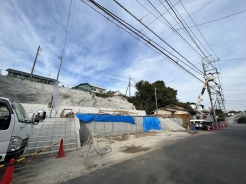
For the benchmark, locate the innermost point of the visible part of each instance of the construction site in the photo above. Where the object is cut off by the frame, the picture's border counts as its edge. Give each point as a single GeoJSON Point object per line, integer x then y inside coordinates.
{"type": "Point", "coordinates": [88, 142]}
{"type": "Point", "coordinates": [64, 116]}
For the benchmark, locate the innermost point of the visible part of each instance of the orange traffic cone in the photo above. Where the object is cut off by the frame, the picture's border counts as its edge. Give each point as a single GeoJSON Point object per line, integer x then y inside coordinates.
{"type": "Point", "coordinates": [8, 175]}
{"type": "Point", "coordinates": [217, 127]}
{"type": "Point", "coordinates": [208, 129]}
{"type": "Point", "coordinates": [61, 152]}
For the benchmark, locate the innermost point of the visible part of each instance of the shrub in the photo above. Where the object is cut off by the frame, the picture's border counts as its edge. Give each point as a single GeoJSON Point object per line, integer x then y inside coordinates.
{"type": "Point", "coordinates": [242, 120]}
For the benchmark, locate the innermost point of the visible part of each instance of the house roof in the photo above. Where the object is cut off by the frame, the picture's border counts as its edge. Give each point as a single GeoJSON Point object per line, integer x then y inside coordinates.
{"type": "Point", "coordinates": [172, 109]}
{"type": "Point", "coordinates": [25, 73]}
{"type": "Point", "coordinates": [90, 85]}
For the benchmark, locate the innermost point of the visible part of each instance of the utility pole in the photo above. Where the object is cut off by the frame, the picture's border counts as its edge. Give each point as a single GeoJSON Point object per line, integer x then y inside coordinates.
{"type": "Point", "coordinates": [209, 93]}
{"type": "Point", "coordinates": [156, 103]}
{"type": "Point", "coordinates": [129, 86]}
{"type": "Point", "coordinates": [52, 98]}
{"type": "Point", "coordinates": [39, 49]}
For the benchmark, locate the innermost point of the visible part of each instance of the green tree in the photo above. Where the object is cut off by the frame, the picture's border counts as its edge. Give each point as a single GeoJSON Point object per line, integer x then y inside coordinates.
{"type": "Point", "coordinates": [144, 98]}
{"type": "Point", "coordinates": [242, 119]}
{"type": "Point", "coordinates": [220, 114]}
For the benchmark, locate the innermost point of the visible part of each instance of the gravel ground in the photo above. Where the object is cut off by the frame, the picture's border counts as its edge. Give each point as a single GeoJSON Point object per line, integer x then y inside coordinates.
{"type": "Point", "coordinates": [46, 169]}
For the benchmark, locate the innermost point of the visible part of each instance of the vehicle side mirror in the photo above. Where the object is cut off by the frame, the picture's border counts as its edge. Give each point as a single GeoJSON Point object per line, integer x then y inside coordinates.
{"type": "Point", "coordinates": [40, 116]}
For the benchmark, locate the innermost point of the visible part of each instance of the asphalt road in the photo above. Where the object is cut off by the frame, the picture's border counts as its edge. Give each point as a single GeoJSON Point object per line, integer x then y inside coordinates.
{"type": "Point", "coordinates": [212, 157]}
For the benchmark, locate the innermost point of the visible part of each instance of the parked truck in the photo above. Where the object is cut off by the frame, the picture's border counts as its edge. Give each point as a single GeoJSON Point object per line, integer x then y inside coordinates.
{"type": "Point", "coordinates": [199, 118]}
{"type": "Point", "coordinates": [15, 128]}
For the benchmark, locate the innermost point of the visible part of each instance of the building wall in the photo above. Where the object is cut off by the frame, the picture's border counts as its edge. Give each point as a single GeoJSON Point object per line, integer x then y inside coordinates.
{"type": "Point", "coordinates": [28, 77]}
{"type": "Point", "coordinates": [164, 113]}
{"type": "Point", "coordinates": [185, 117]}
{"type": "Point", "coordinates": [86, 87]}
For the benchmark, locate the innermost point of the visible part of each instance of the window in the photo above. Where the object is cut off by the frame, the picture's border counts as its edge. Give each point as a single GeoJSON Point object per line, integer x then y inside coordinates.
{"type": "Point", "coordinates": [20, 112]}
{"type": "Point", "coordinates": [4, 117]}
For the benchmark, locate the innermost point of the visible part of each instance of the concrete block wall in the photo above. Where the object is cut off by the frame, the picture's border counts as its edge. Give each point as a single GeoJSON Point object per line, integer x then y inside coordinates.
{"type": "Point", "coordinates": [110, 128]}
{"type": "Point", "coordinates": [51, 131]}
{"type": "Point", "coordinates": [117, 128]}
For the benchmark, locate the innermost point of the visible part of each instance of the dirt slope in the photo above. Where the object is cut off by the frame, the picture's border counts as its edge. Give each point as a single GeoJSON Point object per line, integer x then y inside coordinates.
{"type": "Point", "coordinates": [24, 91]}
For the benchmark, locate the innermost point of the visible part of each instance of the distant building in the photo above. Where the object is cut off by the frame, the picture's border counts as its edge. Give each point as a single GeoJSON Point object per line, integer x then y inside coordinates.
{"type": "Point", "coordinates": [173, 112]}
{"type": "Point", "coordinates": [117, 93]}
{"type": "Point", "coordinates": [169, 111]}
{"type": "Point", "coordinates": [27, 76]}
{"type": "Point", "coordinates": [89, 87]}
{"type": "Point", "coordinates": [232, 113]}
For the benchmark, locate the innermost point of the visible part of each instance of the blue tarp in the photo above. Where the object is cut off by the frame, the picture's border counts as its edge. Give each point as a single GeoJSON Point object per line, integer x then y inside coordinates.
{"type": "Point", "coordinates": [151, 123]}
{"type": "Point", "coordinates": [105, 118]}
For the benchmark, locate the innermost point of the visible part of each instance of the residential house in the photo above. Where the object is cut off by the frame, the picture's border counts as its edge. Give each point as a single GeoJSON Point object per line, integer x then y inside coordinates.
{"type": "Point", "coordinates": [89, 87]}
{"type": "Point", "coordinates": [117, 93]}
{"type": "Point", "coordinates": [174, 112]}
{"type": "Point", "coordinates": [27, 76]}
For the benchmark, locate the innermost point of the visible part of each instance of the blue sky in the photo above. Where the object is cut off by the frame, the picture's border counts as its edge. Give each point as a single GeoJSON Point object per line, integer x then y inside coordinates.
{"type": "Point", "coordinates": [100, 53]}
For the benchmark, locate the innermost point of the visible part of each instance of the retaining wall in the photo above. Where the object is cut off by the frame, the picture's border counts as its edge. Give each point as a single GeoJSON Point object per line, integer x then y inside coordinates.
{"type": "Point", "coordinates": [110, 128]}
{"type": "Point", "coordinates": [73, 131]}
{"type": "Point", "coordinates": [117, 128]}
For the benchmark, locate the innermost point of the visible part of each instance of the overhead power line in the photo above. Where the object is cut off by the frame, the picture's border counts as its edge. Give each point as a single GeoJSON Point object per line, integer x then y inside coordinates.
{"type": "Point", "coordinates": [199, 71]}
{"type": "Point", "coordinates": [170, 25]}
{"type": "Point", "coordinates": [216, 19]}
{"type": "Point", "coordinates": [198, 29]}
{"type": "Point", "coordinates": [156, 17]}
{"type": "Point", "coordinates": [188, 16]}
{"type": "Point", "coordinates": [141, 37]}
{"type": "Point", "coordinates": [185, 28]}
{"type": "Point", "coordinates": [65, 39]}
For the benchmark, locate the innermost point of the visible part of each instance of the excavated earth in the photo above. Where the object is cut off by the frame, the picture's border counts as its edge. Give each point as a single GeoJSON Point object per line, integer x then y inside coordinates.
{"type": "Point", "coordinates": [24, 91]}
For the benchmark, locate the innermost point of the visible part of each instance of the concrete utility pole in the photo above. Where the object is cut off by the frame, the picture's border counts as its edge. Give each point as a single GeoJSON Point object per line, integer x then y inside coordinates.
{"type": "Point", "coordinates": [209, 93]}
{"type": "Point", "coordinates": [39, 49]}
{"type": "Point", "coordinates": [129, 86]}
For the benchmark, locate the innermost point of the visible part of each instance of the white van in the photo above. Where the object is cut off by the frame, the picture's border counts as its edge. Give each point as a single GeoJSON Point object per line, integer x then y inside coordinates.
{"type": "Point", "coordinates": [15, 127]}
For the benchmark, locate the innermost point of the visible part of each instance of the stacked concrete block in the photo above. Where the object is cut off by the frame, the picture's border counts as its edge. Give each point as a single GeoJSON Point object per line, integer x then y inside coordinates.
{"type": "Point", "coordinates": [51, 131]}
{"type": "Point", "coordinates": [110, 128]}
